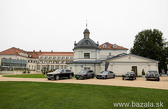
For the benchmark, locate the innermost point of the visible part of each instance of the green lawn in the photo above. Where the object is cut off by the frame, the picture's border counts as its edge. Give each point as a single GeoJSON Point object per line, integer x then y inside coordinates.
{"type": "Point", "coordinates": [36, 95]}
{"type": "Point", "coordinates": [27, 76]}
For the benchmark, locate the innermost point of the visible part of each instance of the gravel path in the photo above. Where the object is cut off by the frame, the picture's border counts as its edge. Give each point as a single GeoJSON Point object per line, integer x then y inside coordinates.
{"type": "Point", "coordinates": [140, 82]}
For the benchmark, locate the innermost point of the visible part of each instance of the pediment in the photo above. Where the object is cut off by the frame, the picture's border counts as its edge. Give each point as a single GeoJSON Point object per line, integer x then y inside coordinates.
{"type": "Point", "coordinates": [131, 58]}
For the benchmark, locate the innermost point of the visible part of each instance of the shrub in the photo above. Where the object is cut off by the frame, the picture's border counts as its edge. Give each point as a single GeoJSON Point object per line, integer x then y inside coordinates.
{"type": "Point", "coordinates": [46, 72]}
{"type": "Point", "coordinates": [143, 72]}
{"type": "Point", "coordinates": [24, 71]}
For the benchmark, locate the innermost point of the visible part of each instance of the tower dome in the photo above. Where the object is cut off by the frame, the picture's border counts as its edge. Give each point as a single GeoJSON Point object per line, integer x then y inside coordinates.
{"type": "Point", "coordinates": [86, 42]}
{"type": "Point", "coordinates": [86, 31]}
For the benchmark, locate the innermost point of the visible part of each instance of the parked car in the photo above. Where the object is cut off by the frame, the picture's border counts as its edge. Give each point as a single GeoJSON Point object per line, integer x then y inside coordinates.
{"type": "Point", "coordinates": [129, 75]}
{"type": "Point", "coordinates": [152, 75]}
{"type": "Point", "coordinates": [105, 75]}
{"type": "Point", "coordinates": [85, 74]}
{"type": "Point", "coordinates": [60, 73]}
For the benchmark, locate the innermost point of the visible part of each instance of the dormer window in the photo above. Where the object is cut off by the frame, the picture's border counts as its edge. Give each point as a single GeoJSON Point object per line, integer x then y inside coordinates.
{"type": "Point", "coordinates": [114, 46]}
{"type": "Point", "coordinates": [104, 46]}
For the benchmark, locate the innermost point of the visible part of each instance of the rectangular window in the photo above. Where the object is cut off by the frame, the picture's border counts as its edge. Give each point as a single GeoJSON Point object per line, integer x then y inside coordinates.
{"type": "Point", "coordinates": [86, 68]}
{"type": "Point", "coordinates": [38, 67]}
{"type": "Point", "coordinates": [52, 67]}
{"type": "Point", "coordinates": [57, 67]}
{"type": "Point", "coordinates": [86, 55]}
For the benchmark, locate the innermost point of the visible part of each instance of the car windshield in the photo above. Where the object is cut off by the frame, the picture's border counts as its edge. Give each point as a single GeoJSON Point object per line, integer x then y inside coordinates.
{"type": "Point", "coordinates": [83, 71]}
{"type": "Point", "coordinates": [58, 70]}
{"type": "Point", "coordinates": [152, 72]}
{"type": "Point", "coordinates": [129, 72]}
{"type": "Point", "coordinates": [105, 72]}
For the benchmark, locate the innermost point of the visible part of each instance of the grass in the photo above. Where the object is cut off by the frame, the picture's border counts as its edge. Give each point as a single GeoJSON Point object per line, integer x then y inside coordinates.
{"type": "Point", "coordinates": [27, 76]}
{"type": "Point", "coordinates": [36, 95]}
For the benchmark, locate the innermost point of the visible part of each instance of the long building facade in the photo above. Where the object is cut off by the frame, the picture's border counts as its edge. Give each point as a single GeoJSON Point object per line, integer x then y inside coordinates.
{"type": "Point", "coordinates": [86, 55]}
{"type": "Point", "coordinates": [17, 59]}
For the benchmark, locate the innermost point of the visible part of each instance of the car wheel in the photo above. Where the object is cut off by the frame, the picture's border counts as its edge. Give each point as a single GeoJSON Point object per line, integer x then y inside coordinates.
{"type": "Point", "coordinates": [158, 79]}
{"type": "Point", "coordinates": [114, 76]}
{"type": "Point", "coordinates": [70, 76]}
{"type": "Point", "coordinates": [122, 78]}
{"type": "Point", "coordinates": [49, 79]}
{"type": "Point", "coordinates": [57, 77]}
{"type": "Point", "coordinates": [92, 76]}
{"type": "Point", "coordinates": [81, 77]}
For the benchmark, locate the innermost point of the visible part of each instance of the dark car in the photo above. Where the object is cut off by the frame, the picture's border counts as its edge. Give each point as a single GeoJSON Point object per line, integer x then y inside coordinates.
{"type": "Point", "coordinates": [85, 74]}
{"type": "Point", "coordinates": [60, 73]}
{"type": "Point", "coordinates": [152, 75]}
{"type": "Point", "coordinates": [129, 75]}
{"type": "Point", "coordinates": [105, 75]}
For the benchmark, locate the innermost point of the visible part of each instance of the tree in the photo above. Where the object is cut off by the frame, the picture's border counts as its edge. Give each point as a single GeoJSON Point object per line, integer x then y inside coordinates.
{"type": "Point", "coordinates": [166, 54]}
{"type": "Point", "coordinates": [150, 43]}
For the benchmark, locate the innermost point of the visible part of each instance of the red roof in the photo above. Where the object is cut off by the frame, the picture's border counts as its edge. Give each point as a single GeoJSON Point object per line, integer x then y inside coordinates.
{"type": "Point", "coordinates": [34, 54]}
{"type": "Point", "coordinates": [12, 51]}
{"type": "Point", "coordinates": [58, 54]}
{"type": "Point", "coordinates": [111, 46]}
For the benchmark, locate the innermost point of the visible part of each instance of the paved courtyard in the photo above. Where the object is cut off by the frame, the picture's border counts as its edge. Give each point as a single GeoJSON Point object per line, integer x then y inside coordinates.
{"type": "Point", "coordinates": [140, 82]}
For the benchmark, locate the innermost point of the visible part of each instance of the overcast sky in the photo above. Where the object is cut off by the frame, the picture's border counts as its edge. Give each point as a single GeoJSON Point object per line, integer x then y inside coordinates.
{"type": "Point", "coordinates": [55, 24]}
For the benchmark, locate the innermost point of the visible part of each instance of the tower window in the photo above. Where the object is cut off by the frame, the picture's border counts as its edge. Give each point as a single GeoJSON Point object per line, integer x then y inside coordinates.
{"type": "Point", "coordinates": [86, 55]}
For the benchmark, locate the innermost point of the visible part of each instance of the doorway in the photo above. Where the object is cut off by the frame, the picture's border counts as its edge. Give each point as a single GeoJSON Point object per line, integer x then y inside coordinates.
{"type": "Point", "coordinates": [134, 68]}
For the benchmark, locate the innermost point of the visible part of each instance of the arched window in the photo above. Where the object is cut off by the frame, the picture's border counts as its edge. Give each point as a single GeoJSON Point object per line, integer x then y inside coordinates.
{"type": "Point", "coordinates": [104, 46]}
{"type": "Point", "coordinates": [115, 46]}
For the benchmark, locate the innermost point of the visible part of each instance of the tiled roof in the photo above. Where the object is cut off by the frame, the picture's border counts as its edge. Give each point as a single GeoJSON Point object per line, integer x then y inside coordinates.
{"type": "Point", "coordinates": [86, 62]}
{"type": "Point", "coordinates": [33, 54]}
{"type": "Point", "coordinates": [124, 54]}
{"type": "Point", "coordinates": [12, 51]}
{"type": "Point", "coordinates": [57, 54]}
{"type": "Point", "coordinates": [111, 46]}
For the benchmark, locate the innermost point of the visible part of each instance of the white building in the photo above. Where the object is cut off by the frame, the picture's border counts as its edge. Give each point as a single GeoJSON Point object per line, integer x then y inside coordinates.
{"type": "Point", "coordinates": [86, 55]}
{"type": "Point", "coordinates": [15, 59]}
{"type": "Point", "coordinates": [89, 55]}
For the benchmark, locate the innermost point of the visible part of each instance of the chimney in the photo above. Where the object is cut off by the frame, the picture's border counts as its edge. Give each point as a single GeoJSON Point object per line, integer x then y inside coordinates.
{"type": "Point", "coordinates": [33, 50]}
{"type": "Point", "coordinates": [39, 50]}
{"type": "Point", "coordinates": [51, 50]}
